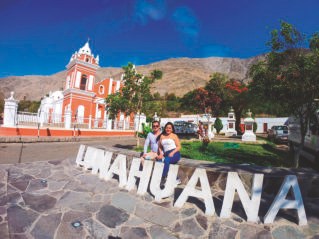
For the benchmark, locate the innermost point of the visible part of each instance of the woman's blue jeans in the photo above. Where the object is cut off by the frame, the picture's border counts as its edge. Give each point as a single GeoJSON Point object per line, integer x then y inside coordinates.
{"type": "Point", "coordinates": [170, 160]}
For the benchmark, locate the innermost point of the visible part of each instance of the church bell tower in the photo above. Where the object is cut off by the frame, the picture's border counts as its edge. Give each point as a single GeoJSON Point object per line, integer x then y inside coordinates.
{"type": "Point", "coordinates": [81, 69]}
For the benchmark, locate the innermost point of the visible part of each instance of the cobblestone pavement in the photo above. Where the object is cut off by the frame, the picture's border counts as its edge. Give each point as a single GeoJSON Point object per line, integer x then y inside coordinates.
{"type": "Point", "coordinates": [55, 199]}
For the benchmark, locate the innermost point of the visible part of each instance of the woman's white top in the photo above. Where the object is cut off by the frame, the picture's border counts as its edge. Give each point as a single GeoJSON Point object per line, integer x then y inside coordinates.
{"type": "Point", "coordinates": [168, 144]}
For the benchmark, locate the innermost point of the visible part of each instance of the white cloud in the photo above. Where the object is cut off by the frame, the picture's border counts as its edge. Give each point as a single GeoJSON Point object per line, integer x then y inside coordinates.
{"type": "Point", "coordinates": [187, 24]}
{"type": "Point", "coordinates": [146, 10]}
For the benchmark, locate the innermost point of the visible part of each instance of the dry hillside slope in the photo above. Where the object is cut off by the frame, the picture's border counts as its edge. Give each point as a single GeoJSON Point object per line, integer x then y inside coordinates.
{"type": "Point", "coordinates": [180, 75]}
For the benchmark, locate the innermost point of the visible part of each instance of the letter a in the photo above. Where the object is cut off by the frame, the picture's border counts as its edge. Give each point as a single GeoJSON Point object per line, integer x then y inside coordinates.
{"type": "Point", "coordinates": [281, 201]}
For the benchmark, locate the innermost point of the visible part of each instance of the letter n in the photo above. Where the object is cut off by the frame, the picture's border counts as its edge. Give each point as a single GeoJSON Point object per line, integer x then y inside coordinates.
{"type": "Point", "coordinates": [118, 167]}
{"type": "Point", "coordinates": [205, 193]}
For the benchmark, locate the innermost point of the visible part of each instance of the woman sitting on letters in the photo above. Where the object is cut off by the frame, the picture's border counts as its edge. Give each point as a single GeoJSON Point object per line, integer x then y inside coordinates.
{"type": "Point", "coordinates": [170, 145]}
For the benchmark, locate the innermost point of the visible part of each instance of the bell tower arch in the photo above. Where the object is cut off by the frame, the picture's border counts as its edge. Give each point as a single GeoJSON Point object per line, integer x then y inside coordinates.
{"type": "Point", "coordinates": [81, 70]}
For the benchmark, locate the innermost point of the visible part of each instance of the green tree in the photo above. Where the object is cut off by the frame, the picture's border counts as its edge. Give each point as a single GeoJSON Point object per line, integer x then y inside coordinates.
{"type": "Point", "coordinates": [115, 103]}
{"type": "Point", "coordinates": [216, 93]}
{"type": "Point", "coordinates": [289, 75]}
{"type": "Point", "coordinates": [255, 126]}
{"type": "Point", "coordinates": [157, 96]}
{"type": "Point", "coordinates": [133, 94]}
{"type": "Point", "coordinates": [218, 125]}
{"type": "Point", "coordinates": [34, 106]}
{"type": "Point", "coordinates": [188, 102]}
{"type": "Point", "coordinates": [24, 105]}
{"type": "Point", "coordinates": [156, 75]}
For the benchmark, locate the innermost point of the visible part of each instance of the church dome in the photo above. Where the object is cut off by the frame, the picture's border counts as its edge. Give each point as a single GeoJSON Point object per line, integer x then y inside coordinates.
{"type": "Point", "coordinates": [85, 49]}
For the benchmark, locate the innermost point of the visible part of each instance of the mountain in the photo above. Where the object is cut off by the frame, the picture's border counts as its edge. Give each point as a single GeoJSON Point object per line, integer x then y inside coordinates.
{"type": "Point", "coordinates": [180, 75]}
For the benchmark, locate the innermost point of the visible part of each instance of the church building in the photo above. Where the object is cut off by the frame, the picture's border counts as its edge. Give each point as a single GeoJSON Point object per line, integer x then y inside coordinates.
{"type": "Point", "coordinates": [82, 97]}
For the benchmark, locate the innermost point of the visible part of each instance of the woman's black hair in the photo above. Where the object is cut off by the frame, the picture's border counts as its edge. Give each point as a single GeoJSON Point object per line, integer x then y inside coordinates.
{"type": "Point", "coordinates": [173, 129]}
{"type": "Point", "coordinates": [171, 124]}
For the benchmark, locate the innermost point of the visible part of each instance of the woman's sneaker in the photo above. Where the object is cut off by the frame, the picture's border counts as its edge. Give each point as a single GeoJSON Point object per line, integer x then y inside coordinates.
{"type": "Point", "coordinates": [178, 181]}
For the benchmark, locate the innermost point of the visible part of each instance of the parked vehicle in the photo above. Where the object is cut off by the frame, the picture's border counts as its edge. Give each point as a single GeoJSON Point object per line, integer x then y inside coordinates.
{"type": "Point", "coordinates": [278, 133]}
{"type": "Point", "coordinates": [310, 150]}
{"type": "Point", "coordinates": [183, 127]}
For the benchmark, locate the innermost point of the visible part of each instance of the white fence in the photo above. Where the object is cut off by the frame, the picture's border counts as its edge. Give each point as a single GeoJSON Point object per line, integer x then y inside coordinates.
{"type": "Point", "coordinates": [58, 121]}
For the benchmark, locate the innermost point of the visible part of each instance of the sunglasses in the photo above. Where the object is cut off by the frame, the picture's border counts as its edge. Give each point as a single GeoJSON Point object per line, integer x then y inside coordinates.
{"type": "Point", "coordinates": [155, 126]}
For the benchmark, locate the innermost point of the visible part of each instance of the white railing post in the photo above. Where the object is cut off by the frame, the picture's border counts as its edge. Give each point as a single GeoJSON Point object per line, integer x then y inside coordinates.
{"type": "Point", "coordinates": [68, 118]}
{"type": "Point", "coordinates": [90, 121]}
{"type": "Point", "coordinates": [10, 111]}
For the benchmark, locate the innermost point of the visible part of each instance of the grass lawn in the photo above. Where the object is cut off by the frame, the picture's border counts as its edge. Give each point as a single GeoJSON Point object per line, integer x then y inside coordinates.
{"type": "Point", "coordinates": [237, 153]}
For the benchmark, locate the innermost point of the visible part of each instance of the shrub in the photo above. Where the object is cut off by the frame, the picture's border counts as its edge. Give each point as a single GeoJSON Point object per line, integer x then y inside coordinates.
{"type": "Point", "coordinates": [255, 127]}
{"type": "Point", "coordinates": [218, 125]}
{"type": "Point", "coordinates": [146, 130]}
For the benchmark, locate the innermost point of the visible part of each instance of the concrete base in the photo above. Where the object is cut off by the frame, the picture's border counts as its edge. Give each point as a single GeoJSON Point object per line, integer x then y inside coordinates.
{"type": "Point", "coordinates": [231, 133]}
{"type": "Point", "coordinates": [249, 136]}
{"type": "Point", "coordinates": [210, 135]}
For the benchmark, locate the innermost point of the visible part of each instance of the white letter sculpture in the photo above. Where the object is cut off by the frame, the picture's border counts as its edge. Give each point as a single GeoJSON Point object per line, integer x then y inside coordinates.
{"type": "Point", "coordinates": [190, 190]}
{"type": "Point", "coordinates": [170, 182]}
{"type": "Point", "coordinates": [251, 206]}
{"type": "Point", "coordinates": [119, 168]}
{"type": "Point", "coordinates": [281, 201]}
{"type": "Point", "coordinates": [102, 163]}
{"type": "Point", "coordinates": [144, 175]}
{"type": "Point", "coordinates": [89, 157]}
{"type": "Point", "coordinates": [80, 155]}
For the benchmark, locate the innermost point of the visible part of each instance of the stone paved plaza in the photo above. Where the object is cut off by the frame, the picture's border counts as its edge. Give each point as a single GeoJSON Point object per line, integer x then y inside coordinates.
{"type": "Point", "coordinates": [55, 199]}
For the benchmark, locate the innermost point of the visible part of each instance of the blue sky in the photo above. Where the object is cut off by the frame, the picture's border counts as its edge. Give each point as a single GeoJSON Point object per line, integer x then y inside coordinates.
{"type": "Point", "coordinates": [39, 36]}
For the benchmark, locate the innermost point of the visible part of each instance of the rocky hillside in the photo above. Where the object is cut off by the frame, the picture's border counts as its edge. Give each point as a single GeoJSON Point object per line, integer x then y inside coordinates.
{"type": "Point", "coordinates": [180, 75]}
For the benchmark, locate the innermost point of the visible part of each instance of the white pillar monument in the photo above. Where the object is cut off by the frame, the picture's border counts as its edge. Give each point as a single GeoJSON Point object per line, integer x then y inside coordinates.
{"type": "Point", "coordinates": [156, 117]}
{"type": "Point", "coordinates": [210, 123]}
{"type": "Point", "coordinates": [231, 121]}
{"type": "Point", "coordinates": [249, 128]}
{"type": "Point", "coordinates": [10, 111]}
{"type": "Point", "coordinates": [68, 118]}
{"type": "Point", "coordinates": [139, 119]}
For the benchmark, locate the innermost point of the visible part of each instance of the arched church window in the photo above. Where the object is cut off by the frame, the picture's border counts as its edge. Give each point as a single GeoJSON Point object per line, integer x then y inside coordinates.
{"type": "Point", "coordinates": [83, 82]}
{"type": "Point", "coordinates": [87, 59]}
{"type": "Point", "coordinates": [101, 89]}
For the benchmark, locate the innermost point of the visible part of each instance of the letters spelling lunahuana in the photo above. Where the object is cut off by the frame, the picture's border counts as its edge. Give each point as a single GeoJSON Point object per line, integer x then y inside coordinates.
{"type": "Point", "coordinates": [100, 162]}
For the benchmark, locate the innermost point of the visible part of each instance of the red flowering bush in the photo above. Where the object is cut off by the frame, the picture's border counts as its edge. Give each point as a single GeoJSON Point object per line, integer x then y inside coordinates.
{"type": "Point", "coordinates": [205, 142]}
{"type": "Point", "coordinates": [236, 86]}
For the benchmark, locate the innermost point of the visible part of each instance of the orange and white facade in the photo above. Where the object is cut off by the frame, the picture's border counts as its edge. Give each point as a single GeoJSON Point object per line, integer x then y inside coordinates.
{"type": "Point", "coordinates": [82, 99]}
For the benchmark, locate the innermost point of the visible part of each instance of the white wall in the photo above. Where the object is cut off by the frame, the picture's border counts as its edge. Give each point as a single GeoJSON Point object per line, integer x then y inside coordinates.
{"type": "Point", "coordinates": [260, 121]}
